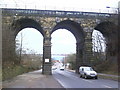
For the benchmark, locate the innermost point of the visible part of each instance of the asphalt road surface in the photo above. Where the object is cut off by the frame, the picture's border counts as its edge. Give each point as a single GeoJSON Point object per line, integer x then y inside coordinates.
{"type": "Point", "coordinates": [71, 80]}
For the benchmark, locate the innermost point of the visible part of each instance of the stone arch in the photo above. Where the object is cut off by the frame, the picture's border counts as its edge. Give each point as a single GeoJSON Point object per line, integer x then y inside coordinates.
{"type": "Point", "coordinates": [78, 33]}
{"type": "Point", "coordinates": [73, 27]}
{"type": "Point", "coordinates": [109, 31]}
{"type": "Point", "coordinates": [22, 23]}
{"type": "Point", "coordinates": [15, 28]}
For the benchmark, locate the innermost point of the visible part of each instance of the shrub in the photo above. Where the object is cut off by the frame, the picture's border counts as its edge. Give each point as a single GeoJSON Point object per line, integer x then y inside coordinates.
{"type": "Point", "coordinates": [10, 72]}
{"type": "Point", "coordinates": [107, 67]}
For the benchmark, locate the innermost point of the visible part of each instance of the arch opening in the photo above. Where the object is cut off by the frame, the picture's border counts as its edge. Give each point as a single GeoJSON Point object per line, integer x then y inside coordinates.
{"type": "Point", "coordinates": [28, 49]}
{"type": "Point", "coordinates": [63, 46]}
{"type": "Point", "coordinates": [99, 45]}
{"type": "Point", "coordinates": [109, 31]}
{"type": "Point", "coordinates": [78, 33]}
{"type": "Point", "coordinates": [32, 27]}
{"type": "Point", "coordinates": [11, 61]}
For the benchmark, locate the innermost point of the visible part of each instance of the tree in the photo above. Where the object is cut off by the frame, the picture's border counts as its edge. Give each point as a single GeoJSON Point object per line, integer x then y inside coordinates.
{"type": "Point", "coordinates": [99, 45]}
{"type": "Point", "coordinates": [71, 59]}
{"type": "Point", "coordinates": [19, 47]}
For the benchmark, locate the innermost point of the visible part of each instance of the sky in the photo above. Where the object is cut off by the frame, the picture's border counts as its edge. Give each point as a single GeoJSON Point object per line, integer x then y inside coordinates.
{"type": "Point", "coordinates": [34, 40]}
{"type": "Point", "coordinates": [63, 41]}
{"type": "Point", "coordinates": [63, 38]}
{"type": "Point", "coordinates": [77, 5]}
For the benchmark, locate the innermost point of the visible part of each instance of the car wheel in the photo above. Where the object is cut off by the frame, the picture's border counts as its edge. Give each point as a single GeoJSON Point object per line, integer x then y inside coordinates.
{"type": "Point", "coordinates": [80, 76]}
{"type": "Point", "coordinates": [96, 77]}
{"type": "Point", "coordinates": [85, 76]}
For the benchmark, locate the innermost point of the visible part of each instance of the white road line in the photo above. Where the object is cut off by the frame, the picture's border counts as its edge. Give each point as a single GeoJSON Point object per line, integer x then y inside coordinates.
{"type": "Point", "coordinates": [87, 81]}
{"type": "Point", "coordinates": [72, 77]}
{"type": "Point", "coordinates": [71, 74]}
{"type": "Point", "coordinates": [107, 86]}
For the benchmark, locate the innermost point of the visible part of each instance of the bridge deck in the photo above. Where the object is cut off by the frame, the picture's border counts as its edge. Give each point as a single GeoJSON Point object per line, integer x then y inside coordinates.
{"type": "Point", "coordinates": [54, 13]}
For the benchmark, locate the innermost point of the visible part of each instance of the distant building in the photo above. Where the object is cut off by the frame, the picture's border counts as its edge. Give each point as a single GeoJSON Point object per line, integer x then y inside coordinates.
{"type": "Point", "coordinates": [55, 61]}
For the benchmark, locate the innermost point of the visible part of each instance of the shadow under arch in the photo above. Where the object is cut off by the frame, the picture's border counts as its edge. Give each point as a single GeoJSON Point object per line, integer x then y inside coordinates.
{"type": "Point", "coordinates": [110, 32]}
{"type": "Point", "coordinates": [78, 33]}
{"type": "Point", "coordinates": [22, 23]}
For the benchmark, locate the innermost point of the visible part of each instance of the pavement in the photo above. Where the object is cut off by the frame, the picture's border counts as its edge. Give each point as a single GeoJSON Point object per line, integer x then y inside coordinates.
{"type": "Point", "coordinates": [32, 80]}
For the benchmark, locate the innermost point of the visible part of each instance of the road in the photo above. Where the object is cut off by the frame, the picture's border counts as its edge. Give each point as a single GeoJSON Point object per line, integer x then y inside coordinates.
{"type": "Point", "coordinates": [71, 80]}
{"type": "Point", "coordinates": [59, 79]}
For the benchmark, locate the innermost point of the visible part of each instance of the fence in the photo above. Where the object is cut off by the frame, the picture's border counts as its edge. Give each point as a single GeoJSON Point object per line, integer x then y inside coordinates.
{"type": "Point", "coordinates": [44, 7]}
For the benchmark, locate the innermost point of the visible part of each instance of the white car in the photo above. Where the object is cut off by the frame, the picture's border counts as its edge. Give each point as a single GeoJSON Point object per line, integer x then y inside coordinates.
{"type": "Point", "coordinates": [62, 67]}
{"type": "Point", "coordinates": [87, 72]}
{"type": "Point", "coordinates": [54, 67]}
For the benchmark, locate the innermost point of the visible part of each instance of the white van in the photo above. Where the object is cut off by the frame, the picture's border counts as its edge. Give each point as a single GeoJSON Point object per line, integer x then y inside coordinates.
{"type": "Point", "coordinates": [87, 72]}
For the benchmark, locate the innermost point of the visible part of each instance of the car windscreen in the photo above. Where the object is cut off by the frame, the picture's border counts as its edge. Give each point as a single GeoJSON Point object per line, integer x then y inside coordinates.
{"type": "Point", "coordinates": [88, 69]}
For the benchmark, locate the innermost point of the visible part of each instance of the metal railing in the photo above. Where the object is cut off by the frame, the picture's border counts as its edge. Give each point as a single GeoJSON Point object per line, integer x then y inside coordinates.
{"type": "Point", "coordinates": [44, 7]}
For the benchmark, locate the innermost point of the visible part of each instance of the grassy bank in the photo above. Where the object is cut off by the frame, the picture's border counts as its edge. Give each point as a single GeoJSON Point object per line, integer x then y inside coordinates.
{"type": "Point", "coordinates": [108, 77]}
{"type": "Point", "coordinates": [103, 76]}
{"type": "Point", "coordinates": [107, 67]}
{"type": "Point", "coordinates": [10, 72]}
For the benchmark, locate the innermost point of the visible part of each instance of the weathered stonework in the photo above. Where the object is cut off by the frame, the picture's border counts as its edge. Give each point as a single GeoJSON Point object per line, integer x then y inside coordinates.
{"type": "Point", "coordinates": [46, 22]}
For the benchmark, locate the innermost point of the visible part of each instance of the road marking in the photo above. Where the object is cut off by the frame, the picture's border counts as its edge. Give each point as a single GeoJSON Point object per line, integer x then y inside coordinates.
{"type": "Point", "coordinates": [87, 81]}
{"type": "Point", "coordinates": [72, 74]}
{"type": "Point", "coordinates": [107, 86]}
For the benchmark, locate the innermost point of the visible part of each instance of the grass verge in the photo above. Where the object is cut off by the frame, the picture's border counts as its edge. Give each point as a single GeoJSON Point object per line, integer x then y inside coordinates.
{"type": "Point", "coordinates": [108, 77]}
{"type": "Point", "coordinates": [8, 73]}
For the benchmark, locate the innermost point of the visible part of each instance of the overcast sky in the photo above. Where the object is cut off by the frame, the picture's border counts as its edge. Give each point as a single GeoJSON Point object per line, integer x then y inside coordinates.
{"type": "Point", "coordinates": [62, 4]}
{"type": "Point", "coordinates": [63, 41]}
